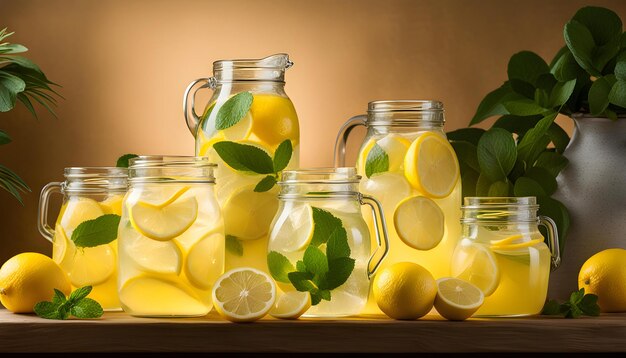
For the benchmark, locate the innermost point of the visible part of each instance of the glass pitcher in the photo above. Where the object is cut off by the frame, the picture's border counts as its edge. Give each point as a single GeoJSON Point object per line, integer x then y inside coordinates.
{"type": "Point", "coordinates": [388, 162]}
{"type": "Point", "coordinates": [504, 254]}
{"type": "Point", "coordinates": [171, 237]}
{"type": "Point", "coordinates": [88, 193]}
{"type": "Point", "coordinates": [249, 116]}
{"type": "Point", "coordinates": [320, 243]}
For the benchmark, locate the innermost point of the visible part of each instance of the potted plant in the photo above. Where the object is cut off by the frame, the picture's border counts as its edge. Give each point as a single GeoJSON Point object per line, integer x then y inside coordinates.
{"type": "Point", "coordinates": [20, 80]}
{"type": "Point", "coordinates": [586, 80]}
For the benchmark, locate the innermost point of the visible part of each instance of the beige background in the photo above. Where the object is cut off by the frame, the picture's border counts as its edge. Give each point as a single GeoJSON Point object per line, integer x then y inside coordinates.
{"type": "Point", "coordinates": [124, 66]}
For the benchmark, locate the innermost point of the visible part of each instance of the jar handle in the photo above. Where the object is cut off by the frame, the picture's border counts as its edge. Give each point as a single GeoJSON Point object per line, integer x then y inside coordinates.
{"type": "Point", "coordinates": [553, 240]}
{"type": "Point", "coordinates": [189, 101]}
{"type": "Point", "coordinates": [342, 138]}
{"type": "Point", "coordinates": [380, 229]}
{"type": "Point", "coordinates": [42, 217]}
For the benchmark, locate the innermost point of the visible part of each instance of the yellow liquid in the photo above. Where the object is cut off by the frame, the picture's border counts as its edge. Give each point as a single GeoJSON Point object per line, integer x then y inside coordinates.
{"type": "Point", "coordinates": [90, 266]}
{"type": "Point", "coordinates": [390, 188]}
{"type": "Point", "coordinates": [248, 215]}
{"type": "Point", "coordinates": [172, 277]}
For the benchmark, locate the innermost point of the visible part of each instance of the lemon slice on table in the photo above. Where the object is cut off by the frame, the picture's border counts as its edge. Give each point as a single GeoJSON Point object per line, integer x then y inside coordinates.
{"type": "Point", "coordinates": [205, 261]}
{"type": "Point", "coordinates": [419, 222]}
{"type": "Point", "coordinates": [92, 265]}
{"type": "Point", "coordinates": [431, 165]}
{"type": "Point", "coordinates": [166, 220]}
{"type": "Point", "coordinates": [476, 264]}
{"type": "Point", "coordinates": [150, 296]}
{"type": "Point", "coordinates": [163, 257]}
{"type": "Point", "coordinates": [248, 214]}
{"type": "Point", "coordinates": [457, 299]}
{"type": "Point", "coordinates": [291, 305]}
{"type": "Point", "coordinates": [294, 231]}
{"type": "Point", "coordinates": [244, 294]}
{"type": "Point", "coordinates": [274, 119]}
{"type": "Point", "coordinates": [241, 130]}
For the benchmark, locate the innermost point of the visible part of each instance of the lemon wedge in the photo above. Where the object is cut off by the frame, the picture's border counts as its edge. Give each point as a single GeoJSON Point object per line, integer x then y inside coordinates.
{"type": "Point", "coordinates": [419, 222]}
{"type": "Point", "coordinates": [476, 264]}
{"type": "Point", "coordinates": [205, 261]}
{"type": "Point", "coordinates": [291, 305]}
{"type": "Point", "coordinates": [294, 231]}
{"type": "Point", "coordinates": [166, 220]}
{"type": "Point", "coordinates": [431, 165]}
{"type": "Point", "coordinates": [457, 299]}
{"type": "Point", "coordinates": [244, 294]}
{"type": "Point", "coordinates": [248, 214]}
{"type": "Point", "coordinates": [164, 257]}
{"type": "Point", "coordinates": [150, 296]}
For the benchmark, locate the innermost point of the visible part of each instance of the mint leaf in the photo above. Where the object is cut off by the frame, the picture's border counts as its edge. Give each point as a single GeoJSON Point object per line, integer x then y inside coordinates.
{"type": "Point", "coordinates": [377, 161]}
{"type": "Point", "coordinates": [337, 245]}
{"type": "Point", "coordinates": [496, 154]}
{"type": "Point", "coordinates": [300, 266]}
{"type": "Point", "coordinates": [234, 246]}
{"type": "Point", "coordinates": [561, 93]}
{"type": "Point", "coordinates": [122, 162]}
{"type": "Point", "coordinates": [86, 308]}
{"type": "Point", "coordinates": [325, 294]}
{"type": "Point", "coordinates": [58, 298]}
{"type": "Point", "coordinates": [315, 298]}
{"type": "Point", "coordinates": [302, 281]}
{"type": "Point", "coordinates": [99, 231]}
{"type": "Point", "coordinates": [580, 42]}
{"type": "Point", "coordinates": [245, 157]}
{"type": "Point", "coordinates": [551, 307]}
{"type": "Point", "coordinates": [233, 110]}
{"type": "Point", "coordinates": [576, 296]}
{"type": "Point", "coordinates": [315, 261]}
{"type": "Point", "coordinates": [279, 266]}
{"type": "Point", "coordinates": [339, 270]}
{"type": "Point", "coordinates": [282, 156]}
{"type": "Point", "coordinates": [265, 184]}
{"type": "Point", "coordinates": [578, 304]}
{"type": "Point", "coordinates": [47, 310]}
{"type": "Point", "coordinates": [523, 107]}
{"type": "Point", "coordinates": [589, 305]}
{"type": "Point", "coordinates": [325, 224]}
{"type": "Point", "coordinates": [603, 24]}
{"type": "Point", "coordinates": [79, 294]}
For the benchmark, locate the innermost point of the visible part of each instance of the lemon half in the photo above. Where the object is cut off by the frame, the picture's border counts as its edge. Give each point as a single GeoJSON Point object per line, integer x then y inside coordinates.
{"type": "Point", "coordinates": [291, 305]}
{"type": "Point", "coordinates": [457, 299]}
{"type": "Point", "coordinates": [244, 294]}
{"type": "Point", "coordinates": [419, 222]}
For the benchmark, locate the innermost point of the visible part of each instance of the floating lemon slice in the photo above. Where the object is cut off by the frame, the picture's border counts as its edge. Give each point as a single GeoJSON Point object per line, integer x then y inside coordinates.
{"type": "Point", "coordinates": [151, 296]}
{"type": "Point", "coordinates": [112, 205]}
{"type": "Point", "coordinates": [92, 265]}
{"type": "Point", "coordinates": [63, 250]}
{"type": "Point", "coordinates": [241, 130]}
{"type": "Point", "coordinates": [244, 294]}
{"type": "Point", "coordinates": [431, 165]}
{"type": "Point", "coordinates": [394, 145]}
{"type": "Point", "coordinates": [274, 119]}
{"type": "Point", "coordinates": [291, 305]}
{"type": "Point", "coordinates": [205, 261]}
{"type": "Point", "coordinates": [457, 299]}
{"type": "Point", "coordinates": [248, 214]}
{"type": "Point", "coordinates": [476, 264]}
{"type": "Point", "coordinates": [419, 222]}
{"type": "Point", "coordinates": [507, 240]}
{"type": "Point", "coordinates": [163, 257]}
{"type": "Point", "coordinates": [207, 144]}
{"type": "Point", "coordinates": [517, 246]}
{"type": "Point", "coordinates": [166, 220]}
{"type": "Point", "coordinates": [77, 210]}
{"type": "Point", "coordinates": [293, 232]}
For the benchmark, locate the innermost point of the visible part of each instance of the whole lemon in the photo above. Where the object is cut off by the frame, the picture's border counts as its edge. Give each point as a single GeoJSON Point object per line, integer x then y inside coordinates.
{"type": "Point", "coordinates": [604, 274]}
{"type": "Point", "coordinates": [29, 278]}
{"type": "Point", "coordinates": [405, 290]}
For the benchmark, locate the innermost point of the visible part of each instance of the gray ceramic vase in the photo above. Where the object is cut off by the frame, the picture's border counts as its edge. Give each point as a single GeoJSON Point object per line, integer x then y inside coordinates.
{"type": "Point", "coordinates": [593, 188]}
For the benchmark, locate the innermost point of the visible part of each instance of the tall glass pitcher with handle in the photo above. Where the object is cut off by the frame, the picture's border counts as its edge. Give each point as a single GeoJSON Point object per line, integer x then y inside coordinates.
{"type": "Point", "coordinates": [407, 163]}
{"type": "Point", "coordinates": [250, 129]}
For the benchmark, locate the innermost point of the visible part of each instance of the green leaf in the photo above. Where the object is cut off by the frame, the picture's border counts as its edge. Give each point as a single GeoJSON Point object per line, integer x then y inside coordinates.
{"type": "Point", "coordinates": [339, 270]}
{"type": "Point", "coordinates": [581, 43]}
{"type": "Point", "coordinates": [517, 124]}
{"type": "Point", "coordinates": [471, 135]}
{"type": "Point", "coordinates": [87, 308]}
{"type": "Point", "coordinates": [559, 137]}
{"type": "Point", "coordinates": [523, 107]}
{"type": "Point", "coordinates": [245, 157]}
{"type": "Point", "coordinates": [233, 110]}
{"type": "Point", "coordinates": [316, 298]}
{"type": "Point", "coordinates": [47, 310]}
{"type": "Point", "coordinates": [536, 140]}
{"type": "Point", "coordinates": [302, 281]}
{"type": "Point", "coordinates": [325, 294]}
{"type": "Point", "coordinates": [337, 245]}
{"type": "Point", "coordinates": [617, 96]}
{"type": "Point", "coordinates": [499, 188]}
{"type": "Point", "coordinates": [561, 93]}
{"type": "Point", "coordinates": [496, 153]}
{"type": "Point", "coordinates": [315, 260]}
{"type": "Point", "coordinates": [300, 266]}
{"type": "Point", "coordinates": [527, 187]}
{"type": "Point", "coordinates": [469, 181]}
{"type": "Point", "coordinates": [279, 266]}
{"type": "Point", "coordinates": [603, 24]}
{"type": "Point", "coordinates": [79, 294]}
{"type": "Point", "coordinates": [482, 185]}
{"type": "Point", "coordinates": [58, 298]}
{"type": "Point", "coordinates": [552, 162]}
{"type": "Point", "coordinates": [12, 48]}
{"type": "Point", "coordinates": [527, 66]}
{"type": "Point", "coordinates": [599, 94]}
{"type": "Point", "coordinates": [555, 210]}
{"type": "Point", "coordinates": [265, 184]}
{"type": "Point", "coordinates": [589, 305]}
{"type": "Point", "coordinates": [562, 52]}
{"type": "Point", "coordinates": [234, 246]}
{"type": "Point", "coordinates": [4, 138]}
{"type": "Point", "coordinates": [551, 308]}
{"type": "Point", "coordinates": [566, 68]}
{"type": "Point", "coordinates": [466, 152]}
{"type": "Point", "coordinates": [377, 161]}
{"type": "Point", "coordinates": [96, 232]}
{"type": "Point", "coordinates": [620, 66]}
{"type": "Point", "coordinates": [544, 178]}
{"type": "Point", "coordinates": [122, 162]}
{"type": "Point", "coordinates": [10, 86]}
{"type": "Point", "coordinates": [492, 104]}
{"type": "Point", "coordinates": [282, 156]}
{"type": "Point", "coordinates": [325, 225]}
{"type": "Point", "coordinates": [518, 170]}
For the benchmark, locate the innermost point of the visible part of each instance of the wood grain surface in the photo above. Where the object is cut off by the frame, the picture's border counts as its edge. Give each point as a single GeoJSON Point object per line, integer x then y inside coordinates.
{"type": "Point", "coordinates": [119, 332]}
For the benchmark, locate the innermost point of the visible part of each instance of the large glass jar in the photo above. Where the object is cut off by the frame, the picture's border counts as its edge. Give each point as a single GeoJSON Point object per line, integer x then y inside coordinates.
{"type": "Point", "coordinates": [88, 194]}
{"type": "Point", "coordinates": [405, 156]}
{"type": "Point", "coordinates": [320, 243]}
{"type": "Point", "coordinates": [245, 122]}
{"type": "Point", "coordinates": [504, 254]}
{"type": "Point", "coordinates": [171, 237]}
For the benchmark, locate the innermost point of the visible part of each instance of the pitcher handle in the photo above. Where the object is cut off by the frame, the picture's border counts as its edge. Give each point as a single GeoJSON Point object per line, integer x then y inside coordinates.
{"type": "Point", "coordinates": [553, 240]}
{"type": "Point", "coordinates": [42, 217]}
{"type": "Point", "coordinates": [189, 101]}
{"type": "Point", "coordinates": [377, 215]}
{"type": "Point", "coordinates": [342, 138]}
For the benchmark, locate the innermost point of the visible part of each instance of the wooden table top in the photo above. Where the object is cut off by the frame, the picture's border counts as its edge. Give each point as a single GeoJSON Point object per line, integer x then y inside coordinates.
{"type": "Point", "coordinates": [117, 331]}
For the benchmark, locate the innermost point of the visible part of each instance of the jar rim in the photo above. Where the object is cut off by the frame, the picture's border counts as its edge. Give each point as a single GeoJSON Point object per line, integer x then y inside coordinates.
{"type": "Point", "coordinates": [405, 105]}
{"type": "Point", "coordinates": [150, 161]}
{"type": "Point", "coordinates": [494, 202]}
{"type": "Point", "coordinates": [95, 172]}
{"type": "Point", "coordinates": [320, 175]}
{"type": "Point", "coordinates": [279, 61]}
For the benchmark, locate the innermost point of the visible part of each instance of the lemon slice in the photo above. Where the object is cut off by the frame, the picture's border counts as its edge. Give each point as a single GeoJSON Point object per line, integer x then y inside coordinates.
{"type": "Point", "coordinates": [394, 145]}
{"type": "Point", "coordinates": [77, 210]}
{"type": "Point", "coordinates": [419, 222]}
{"type": "Point", "coordinates": [457, 299]}
{"type": "Point", "coordinates": [205, 261]}
{"type": "Point", "coordinates": [431, 166]}
{"type": "Point", "coordinates": [163, 257]}
{"type": "Point", "coordinates": [507, 240]}
{"type": "Point", "coordinates": [151, 296]}
{"type": "Point", "coordinates": [476, 264]}
{"type": "Point", "coordinates": [274, 119]}
{"type": "Point", "coordinates": [291, 305]}
{"type": "Point", "coordinates": [92, 265]}
{"type": "Point", "coordinates": [206, 144]}
{"type": "Point", "coordinates": [517, 246]}
{"type": "Point", "coordinates": [112, 205]}
{"type": "Point", "coordinates": [248, 214]}
{"type": "Point", "coordinates": [388, 188]}
{"type": "Point", "coordinates": [244, 294]}
{"type": "Point", "coordinates": [240, 131]}
{"type": "Point", "coordinates": [293, 232]}
{"type": "Point", "coordinates": [166, 220]}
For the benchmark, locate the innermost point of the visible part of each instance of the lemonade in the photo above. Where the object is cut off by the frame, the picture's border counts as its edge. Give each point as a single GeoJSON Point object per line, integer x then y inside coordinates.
{"type": "Point", "coordinates": [171, 246]}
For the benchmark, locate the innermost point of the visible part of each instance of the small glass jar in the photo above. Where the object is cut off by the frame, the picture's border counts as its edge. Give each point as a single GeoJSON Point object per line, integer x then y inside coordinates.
{"type": "Point", "coordinates": [320, 243]}
{"type": "Point", "coordinates": [88, 193]}
{"type": "Point", "coordinates": [504, 254]}
{"type": "Point", "coordinates": [171, 237]}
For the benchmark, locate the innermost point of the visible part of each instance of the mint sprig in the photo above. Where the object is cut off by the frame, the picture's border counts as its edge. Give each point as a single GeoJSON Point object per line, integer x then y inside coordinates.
{"type": "Point", "coordinates": [248, 158]}
{"type": "Point", "coordinates": [579, 304]}
{"type": "Point", "coordinates": [122, 162]}
{"type": "Point", "coordinates": [320, 271]}
{"type": "Point", "coordinates": [77, 305]}
{"type": "Point", "coordinates": [377, 161]}
{"type": "Point", "coordinates": [233, 110]}
{"type": "Point", "coordinates": [234, 246]}
{"type": "Point", "coordinates": [96, 232]}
